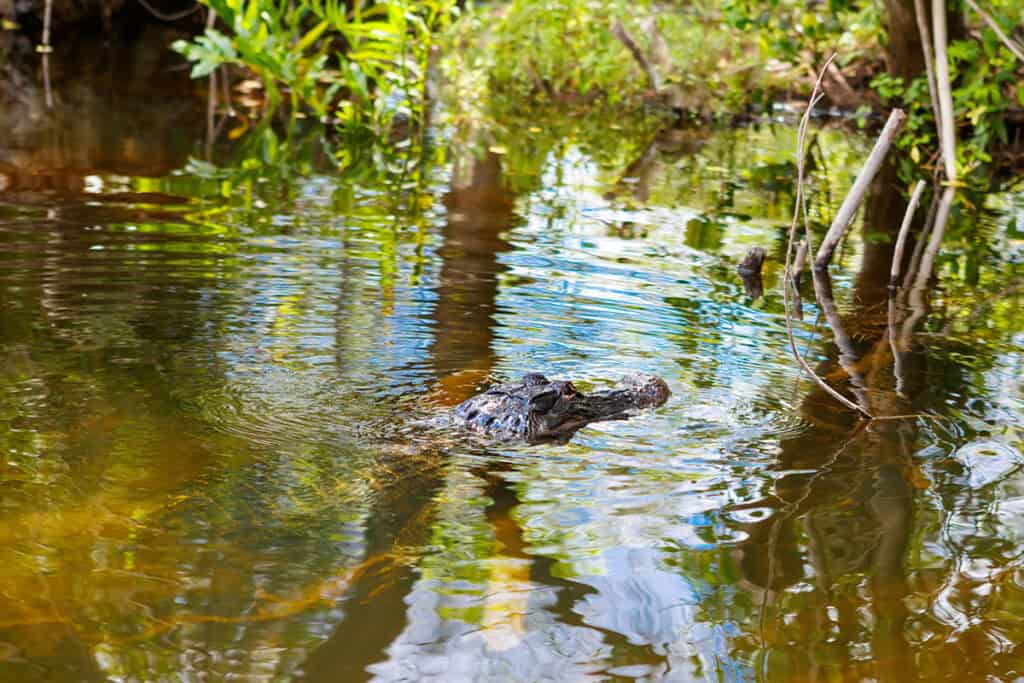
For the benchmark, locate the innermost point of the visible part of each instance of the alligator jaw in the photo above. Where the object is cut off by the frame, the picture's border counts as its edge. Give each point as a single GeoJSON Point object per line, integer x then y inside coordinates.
{"type": "Point", "coordinates": [632, 393]}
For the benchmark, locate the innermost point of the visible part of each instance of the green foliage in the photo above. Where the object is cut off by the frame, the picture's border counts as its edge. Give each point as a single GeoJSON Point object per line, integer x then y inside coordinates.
{"type": "Point", "coordinates": [360, 68]}
{"type": "Point", "coordinates": [566, 52]}
{"type": "Point", "coordinates": [564, 46]}
{"type": "Point", "coordinates": [983, 72]}
{"type": "Point", "coordinates": [796, 32]}
{"type": "Point", "coordinates": [365, 68]}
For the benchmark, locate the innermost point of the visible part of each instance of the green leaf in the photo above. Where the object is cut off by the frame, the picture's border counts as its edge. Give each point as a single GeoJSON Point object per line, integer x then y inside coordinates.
{"type": "Point", "coordinates": [311, 36]}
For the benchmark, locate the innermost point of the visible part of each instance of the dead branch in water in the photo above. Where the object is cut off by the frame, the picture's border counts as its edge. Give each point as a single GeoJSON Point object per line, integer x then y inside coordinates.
{"type": "Point", "coordinates": [908, 217]}
{"type": "Point", "coordinates": [800, 211]}
{"type": "Point", "coordinates": [938, 232]}
{"type": "Point", "coordinates": [922, 239]}
{"type": "Point", "coordinates": [947, 131]}
{"type": "Point", "coordinates": [860, 187]}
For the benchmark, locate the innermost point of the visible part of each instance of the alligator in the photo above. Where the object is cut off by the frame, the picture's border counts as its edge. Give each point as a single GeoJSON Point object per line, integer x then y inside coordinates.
{"type": "Point", "coordinates": [538, 409]}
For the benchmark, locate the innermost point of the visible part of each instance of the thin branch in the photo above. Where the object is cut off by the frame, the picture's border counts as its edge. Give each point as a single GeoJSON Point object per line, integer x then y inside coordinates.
{"type": "Point", "coordinates": [938, 232]}
{"type": "Point", "coordinates": [794, 279]}
{"type": "Point", "coordinates": [169, 17]}
{"type": "Point", "coordinates": [908, 217]}
{"type": "Point", "coordinates": [947, 132]}
{"type": "Point", "coordinates": [922, 239]}
{"type": "Point", "coordinates": [860, 187]}
{"type": "Point", "coordinates": [1007, 41]}
{"type": "Point", "coordinates": [921, 14]}
{"type": "Point", "coordinates": [798, 211]}
{"type": "Point", "coordinates": [45, 49]}
{"type": "Point", "coordinates": [47, 20]}
{"type": "Point", "coordinates": [619, 31]}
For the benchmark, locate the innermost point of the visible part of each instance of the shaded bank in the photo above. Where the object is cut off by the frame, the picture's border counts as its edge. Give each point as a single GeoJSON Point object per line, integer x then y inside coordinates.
{"type": "Point", "coordinates": [123, 108]}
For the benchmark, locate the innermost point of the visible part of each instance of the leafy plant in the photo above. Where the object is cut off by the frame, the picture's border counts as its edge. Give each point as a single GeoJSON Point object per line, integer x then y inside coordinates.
{"type": "Point", "coordinates": [358, 67]}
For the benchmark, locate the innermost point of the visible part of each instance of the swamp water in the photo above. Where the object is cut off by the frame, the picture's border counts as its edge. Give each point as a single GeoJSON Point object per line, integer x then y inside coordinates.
{"type": "Point", "coordinates": [218, 388]}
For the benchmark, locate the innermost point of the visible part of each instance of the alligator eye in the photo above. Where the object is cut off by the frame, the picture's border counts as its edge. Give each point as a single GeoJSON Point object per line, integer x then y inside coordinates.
{"type": "Point", "coordinates": [542, 403]}
{"type": "Point", "coordinates": [569, 389]}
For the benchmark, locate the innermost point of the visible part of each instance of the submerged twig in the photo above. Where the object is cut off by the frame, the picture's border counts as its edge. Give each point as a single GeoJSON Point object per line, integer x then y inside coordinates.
{"type": "Point", "coordinates": [798, 211]}
{"type": "Point", "coordinates": [860, 187]}
{"type": "Point", "coordinates": [901, 240]}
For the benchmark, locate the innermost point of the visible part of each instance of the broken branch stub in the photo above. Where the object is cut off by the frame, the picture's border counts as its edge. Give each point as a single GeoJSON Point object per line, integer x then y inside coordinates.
{"type": "Point", "coordinates": [901, 241]}
{"type": "Point", "coordinates": [860, 187]}
{"type": "Point", "coordinates": [749, 270]}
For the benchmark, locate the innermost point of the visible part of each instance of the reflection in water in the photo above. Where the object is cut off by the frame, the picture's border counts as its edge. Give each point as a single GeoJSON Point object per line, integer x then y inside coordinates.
{"type": "Point", "coordinates": [220, 460]}
{"type": "Point", "coordinates": [478, 212]}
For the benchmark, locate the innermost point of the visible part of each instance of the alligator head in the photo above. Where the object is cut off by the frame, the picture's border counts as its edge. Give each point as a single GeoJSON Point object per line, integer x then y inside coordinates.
{"type": "Point", "coordinates": [536, 408]}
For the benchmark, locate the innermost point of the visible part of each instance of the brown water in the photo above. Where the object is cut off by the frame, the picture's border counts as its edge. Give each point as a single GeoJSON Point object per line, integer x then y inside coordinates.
{"type": "Point", "coordinates": [219, 392]}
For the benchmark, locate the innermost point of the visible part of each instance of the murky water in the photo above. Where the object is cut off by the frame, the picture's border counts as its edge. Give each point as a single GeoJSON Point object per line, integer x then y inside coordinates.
{"type": "Point", "coordinates": [218, 387]}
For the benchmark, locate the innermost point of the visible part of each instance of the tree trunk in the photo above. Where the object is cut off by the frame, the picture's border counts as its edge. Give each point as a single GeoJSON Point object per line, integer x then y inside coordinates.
{"type": "Point", "coordinates": [904, 57]}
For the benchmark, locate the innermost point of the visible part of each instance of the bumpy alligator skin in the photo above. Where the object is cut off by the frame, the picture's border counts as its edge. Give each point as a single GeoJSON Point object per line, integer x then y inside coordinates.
{"type": "Point", "coordinates": [536, 408]}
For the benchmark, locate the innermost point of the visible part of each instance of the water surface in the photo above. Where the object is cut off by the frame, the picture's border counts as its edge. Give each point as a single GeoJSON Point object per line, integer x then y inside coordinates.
{"type": "Point", "coordinates": [220, 379]}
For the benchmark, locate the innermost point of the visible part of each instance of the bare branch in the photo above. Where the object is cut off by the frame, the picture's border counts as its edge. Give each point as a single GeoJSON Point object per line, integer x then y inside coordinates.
{"type": "Point", "coordinates": [938, 232]}
{"type": "Point", "coordinates": [908, 217]}
{"type": "Point", "coordinates": [921, 14]}
{"type": "Point", "coordinates": [798, 211]}
{"type": "Point", "coordinates": [860, 187]}
{"type": "Point", "coordinates": [947, 132]}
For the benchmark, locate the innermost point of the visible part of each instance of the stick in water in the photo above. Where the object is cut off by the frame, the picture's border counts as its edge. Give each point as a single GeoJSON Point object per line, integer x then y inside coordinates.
{"type": "Point", "coordinates": [798, 211]}
{"type": "Point", "coordinates": [947, 129]}
{"type": "Point", "coordinates": [860, 187]}
{"type": "Point", "coordinates": [908, 217]}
